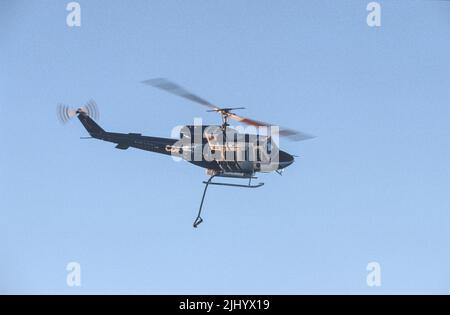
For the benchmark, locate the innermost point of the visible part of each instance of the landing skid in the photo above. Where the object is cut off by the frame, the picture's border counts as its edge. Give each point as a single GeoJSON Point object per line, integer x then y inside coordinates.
{"type": "Point", "coordinates": [199, 219]}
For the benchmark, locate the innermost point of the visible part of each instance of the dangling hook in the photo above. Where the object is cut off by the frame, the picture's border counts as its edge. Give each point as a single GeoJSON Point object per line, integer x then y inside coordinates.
{"type": "Point", "coordinates": [199, 219]}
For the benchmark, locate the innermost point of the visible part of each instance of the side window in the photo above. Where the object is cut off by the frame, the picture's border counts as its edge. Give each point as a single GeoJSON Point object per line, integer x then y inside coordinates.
{"type": "Point", "coordinates": [269, 145]}
{"type": "Point", "coordinates": [247, 140]}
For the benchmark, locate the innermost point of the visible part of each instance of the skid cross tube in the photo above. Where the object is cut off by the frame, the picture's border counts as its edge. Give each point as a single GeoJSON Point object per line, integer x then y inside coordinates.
{"type": "Point", "coordinates": [199, 219]}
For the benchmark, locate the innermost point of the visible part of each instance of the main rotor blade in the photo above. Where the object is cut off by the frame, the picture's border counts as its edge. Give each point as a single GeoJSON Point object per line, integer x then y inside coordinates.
{"type": "Point", "coordinates": [291, 134]}
{"type": "Point", "coordinates": [174, 88]}
{"type": "Point", "coordinates": [178, 90]}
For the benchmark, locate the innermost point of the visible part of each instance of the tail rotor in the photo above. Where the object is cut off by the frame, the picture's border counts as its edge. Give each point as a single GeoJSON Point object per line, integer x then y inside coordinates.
{"type": "Point", "coordinates": [65, 113]}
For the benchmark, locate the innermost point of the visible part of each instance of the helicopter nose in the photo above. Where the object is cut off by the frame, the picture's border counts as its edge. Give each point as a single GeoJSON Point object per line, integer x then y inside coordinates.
{"type": "Point", "coordinates": [285, 160]}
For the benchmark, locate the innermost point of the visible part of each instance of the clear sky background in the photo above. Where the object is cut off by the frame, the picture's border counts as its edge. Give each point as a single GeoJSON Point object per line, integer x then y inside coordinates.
{"type": "Point", "coordinates": [373, 186]}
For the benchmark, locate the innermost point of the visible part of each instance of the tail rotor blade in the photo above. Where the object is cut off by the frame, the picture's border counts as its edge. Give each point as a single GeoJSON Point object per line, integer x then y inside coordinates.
{"type": "Point", "coordinates": [91, 109]}
{"type": "Point", "coordinates": [64, 113]}
{"type": "Point", "coordinates": [59, 113]}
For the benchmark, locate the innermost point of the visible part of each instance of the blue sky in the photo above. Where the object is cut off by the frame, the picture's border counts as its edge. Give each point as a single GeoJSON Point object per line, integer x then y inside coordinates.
{"type": "Point", "coordinates": [373, 186]}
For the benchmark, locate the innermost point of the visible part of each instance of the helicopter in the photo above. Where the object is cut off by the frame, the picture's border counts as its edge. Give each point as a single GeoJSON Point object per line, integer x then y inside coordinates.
{"type": "Point", "coordinates": [224, 152]}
